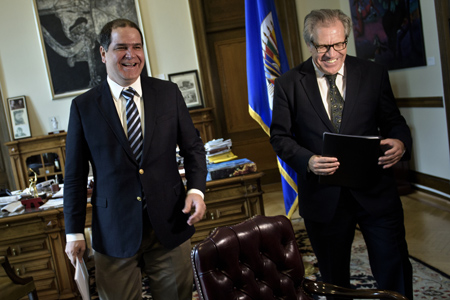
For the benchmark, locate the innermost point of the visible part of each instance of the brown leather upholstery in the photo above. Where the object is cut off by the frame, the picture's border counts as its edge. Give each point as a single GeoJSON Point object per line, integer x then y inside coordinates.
{"type": "Point", "coordinates": [259, 259]}
{"type": "Point", "coordinates": [13, 287]}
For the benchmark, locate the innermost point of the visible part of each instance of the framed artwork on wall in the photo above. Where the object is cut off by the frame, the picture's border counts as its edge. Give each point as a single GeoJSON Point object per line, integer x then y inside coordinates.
{"type": "Point", "coordinates": [389, 32]}
{"type": "Point", "coordinates": [69, 38]}
{"type": "Point", "coordinates": [189, 86]}
{"type": "Point", "coordinates": [19, 117]}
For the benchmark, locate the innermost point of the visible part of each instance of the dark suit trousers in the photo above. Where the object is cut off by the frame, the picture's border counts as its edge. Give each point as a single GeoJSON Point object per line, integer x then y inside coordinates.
{"type": "Point", "coordinates": [384, 237]}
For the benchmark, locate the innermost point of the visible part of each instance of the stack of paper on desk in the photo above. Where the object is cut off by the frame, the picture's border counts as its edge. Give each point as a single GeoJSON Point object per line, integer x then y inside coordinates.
{"type": "Point", "coordinates": [8, 199]}
{"type": "Point", "coordinates": [358, 158]}
{"type": "Point", "coordinates": [52, 203]}
{"type": "Point", "coordinates": [218, 151]}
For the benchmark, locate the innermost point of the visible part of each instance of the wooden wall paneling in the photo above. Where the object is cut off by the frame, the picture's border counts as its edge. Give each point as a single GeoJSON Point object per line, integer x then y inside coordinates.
{"type": "Point", "coordinates": [216, 100]}
{"type": "Point", "coordinates": [223, 15]}
{"type": "Point", "coordinates": [230, 55]}
{"type": "Point", "coordinates": [420, 102]}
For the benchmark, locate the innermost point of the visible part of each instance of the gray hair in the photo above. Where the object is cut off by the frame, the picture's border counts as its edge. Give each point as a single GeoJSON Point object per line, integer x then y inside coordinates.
{"type": "Point", "coordinates": [324, 16]}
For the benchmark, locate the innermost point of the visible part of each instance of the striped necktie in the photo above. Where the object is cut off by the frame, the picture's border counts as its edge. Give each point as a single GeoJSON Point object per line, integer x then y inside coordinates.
{"type": "Point", "coordinates": [336, 102]}
{"type": "Point", "coordinates": [134, 129]}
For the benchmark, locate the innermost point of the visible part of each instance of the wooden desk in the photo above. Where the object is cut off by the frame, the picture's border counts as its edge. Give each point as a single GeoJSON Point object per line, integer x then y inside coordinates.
{"type": "Point", "coordinates": [230, 201]}
{"type": "Point", "coordinates": [35, 241]}
{"type": "Point", "coordinates": [34, 244]}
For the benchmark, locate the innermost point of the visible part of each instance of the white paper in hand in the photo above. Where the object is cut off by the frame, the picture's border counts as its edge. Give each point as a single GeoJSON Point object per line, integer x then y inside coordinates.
{"type": "Point", "coordinates": [82, 280]}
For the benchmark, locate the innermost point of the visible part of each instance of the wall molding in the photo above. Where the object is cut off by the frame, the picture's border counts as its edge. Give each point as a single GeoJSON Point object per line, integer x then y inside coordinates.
{"type": "Point", "coordinates": [420, 102]}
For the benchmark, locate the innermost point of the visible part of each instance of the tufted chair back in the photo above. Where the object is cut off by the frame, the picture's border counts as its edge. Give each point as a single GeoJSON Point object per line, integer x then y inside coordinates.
{"type": "Point", "coordinates": [259, 259]}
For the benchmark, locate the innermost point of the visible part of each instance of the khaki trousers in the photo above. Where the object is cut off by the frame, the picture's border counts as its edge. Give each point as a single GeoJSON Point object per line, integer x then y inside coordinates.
{"type": "Point", "coordinates": [169, 271]}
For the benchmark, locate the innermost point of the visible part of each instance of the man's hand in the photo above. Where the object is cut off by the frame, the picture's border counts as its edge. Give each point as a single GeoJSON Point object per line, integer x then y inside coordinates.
{"type": "Point", "coordinates": [194, 201]}
{"type": "Point", "coordinates": [75, 250]}
{"type": "Point", "coordinates": [321, 165]}
{"type": "Point", "coordinates": [395, 152]}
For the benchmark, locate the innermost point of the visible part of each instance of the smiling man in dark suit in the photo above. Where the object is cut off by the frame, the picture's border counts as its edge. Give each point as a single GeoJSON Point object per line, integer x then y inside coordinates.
{"type": "Point", "coordinates": [302, 112]}
{"type": "Point", "coordinates": [141, 211]}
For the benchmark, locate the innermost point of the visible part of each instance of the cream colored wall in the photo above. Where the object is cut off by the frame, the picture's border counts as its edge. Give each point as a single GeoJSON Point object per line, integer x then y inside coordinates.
{"type": "Point", "coordinates": [428, 125]}
{"type": "Point", "coordinates": [168, 35]}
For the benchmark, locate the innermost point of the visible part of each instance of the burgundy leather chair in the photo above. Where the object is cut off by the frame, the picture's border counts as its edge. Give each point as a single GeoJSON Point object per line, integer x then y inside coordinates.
{"type": "Point", "coordinates": [259, 259]}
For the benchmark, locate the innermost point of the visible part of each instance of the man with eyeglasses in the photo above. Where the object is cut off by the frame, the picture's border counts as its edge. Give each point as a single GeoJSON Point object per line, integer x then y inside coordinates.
{"type": "Point", "coordinates": [302, 112]}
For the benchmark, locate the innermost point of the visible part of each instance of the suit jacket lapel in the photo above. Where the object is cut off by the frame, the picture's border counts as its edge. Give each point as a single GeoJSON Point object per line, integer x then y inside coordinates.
{"type": "Point", "coordinates": [311, 88]}
{"type": "Point", "coordinates": [109, 113]}
{"type": "Point", "coordinates": [150, 108]}
{"type": "Point", "coordinates": [353, 74]}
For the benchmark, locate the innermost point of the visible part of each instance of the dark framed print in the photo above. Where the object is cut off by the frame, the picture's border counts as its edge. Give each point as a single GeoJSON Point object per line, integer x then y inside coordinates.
{"type": "Point", "coordinates": [19, 117]}
{"type": "Point", "coordinates": [389, 32]}
{"type": "Point", "coordinates": [189, 86]}
{"type": "Point", "coordinates": [69, 38]}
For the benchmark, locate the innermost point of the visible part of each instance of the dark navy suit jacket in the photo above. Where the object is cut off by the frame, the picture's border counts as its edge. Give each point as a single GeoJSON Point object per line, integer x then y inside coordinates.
{"type": "Point", "coordinates": [95, 134]}
{"type": "Point", "coordinates": [299, 120]}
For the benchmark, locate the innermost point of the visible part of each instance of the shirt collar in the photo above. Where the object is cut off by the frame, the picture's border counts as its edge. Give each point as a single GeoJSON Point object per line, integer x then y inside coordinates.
{"type": "Point", "coordinates": [116, 89]}
{"type": "Point", "coordinates": [320, 74]}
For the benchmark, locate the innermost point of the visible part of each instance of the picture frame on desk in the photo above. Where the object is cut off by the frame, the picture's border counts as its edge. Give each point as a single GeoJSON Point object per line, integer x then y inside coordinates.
{"type": "Point", "coordinates": [189, 85]}
{"type": "Point", "coordinates": [20, 124]}
{"type": "Point", "coordinates": [68, 33]}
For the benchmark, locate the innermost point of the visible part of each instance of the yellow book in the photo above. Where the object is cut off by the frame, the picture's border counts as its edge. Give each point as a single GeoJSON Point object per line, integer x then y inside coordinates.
{"type": "Point", "coordinates": [221, 157]}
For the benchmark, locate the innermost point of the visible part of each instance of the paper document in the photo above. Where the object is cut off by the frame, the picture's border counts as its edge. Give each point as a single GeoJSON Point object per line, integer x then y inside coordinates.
{"type": "Point", "coordinates": [59, 193]}
{"type": "Point", "coordinates": [82, 280]}
{"type": "Point", "coordinates": [52, 203]}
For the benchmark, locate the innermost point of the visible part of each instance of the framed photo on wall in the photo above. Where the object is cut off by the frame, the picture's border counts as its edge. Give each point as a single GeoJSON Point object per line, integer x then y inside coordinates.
{"type": "Point", "coordinates": [19, 117]}
{"type": "Point", "coordinates": [69, 38]}
{"type": "Point", "coordinates": [189, 86]}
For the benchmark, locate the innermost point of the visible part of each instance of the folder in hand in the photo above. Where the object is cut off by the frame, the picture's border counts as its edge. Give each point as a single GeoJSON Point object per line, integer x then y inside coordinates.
{"type": "Point", "coordinates": [358, 159]}
{"type": "Point", "coordinates": [82, 280]}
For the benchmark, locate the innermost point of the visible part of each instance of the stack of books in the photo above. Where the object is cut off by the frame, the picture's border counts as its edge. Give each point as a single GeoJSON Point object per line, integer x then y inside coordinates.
{"type": "Point", "coordinates": [221, 161]}
{"type": "Point", "coordinates": [218, 151]}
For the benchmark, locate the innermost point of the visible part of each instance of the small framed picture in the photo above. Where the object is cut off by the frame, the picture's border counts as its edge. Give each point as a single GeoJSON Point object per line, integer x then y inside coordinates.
{"type": "Point", "coordinates": [189, 86]}
{"type": "Point", "coordinates": [19, 117]}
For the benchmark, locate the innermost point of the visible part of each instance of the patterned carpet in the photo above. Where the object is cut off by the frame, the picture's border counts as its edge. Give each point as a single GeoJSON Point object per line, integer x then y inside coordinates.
{"type": "Point", "coordinates": [429, 283]}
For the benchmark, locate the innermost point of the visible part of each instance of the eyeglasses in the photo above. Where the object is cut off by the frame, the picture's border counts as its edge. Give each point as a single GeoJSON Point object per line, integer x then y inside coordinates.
{"type": "Point", "coordinates": [325, 48]}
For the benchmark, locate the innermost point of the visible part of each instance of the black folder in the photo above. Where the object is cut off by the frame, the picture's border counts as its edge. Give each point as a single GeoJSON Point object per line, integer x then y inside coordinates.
{"type": "Point", "coordinates": [358, 158]}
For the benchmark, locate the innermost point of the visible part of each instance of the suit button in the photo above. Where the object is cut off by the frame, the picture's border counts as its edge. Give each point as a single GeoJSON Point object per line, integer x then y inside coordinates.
{"type": "Point", "coordinates": [141, 171]}
{"type": "Point", "coordinates": [139, 199]}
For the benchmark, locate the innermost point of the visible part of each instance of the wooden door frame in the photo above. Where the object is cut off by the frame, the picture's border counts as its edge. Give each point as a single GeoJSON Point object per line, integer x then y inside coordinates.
{"type": "Point", "coordinates": [5, 165]}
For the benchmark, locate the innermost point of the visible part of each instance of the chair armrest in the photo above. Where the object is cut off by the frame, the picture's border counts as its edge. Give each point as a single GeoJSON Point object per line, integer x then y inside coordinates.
{"type": "Point", "coordinates": [326, 289]}
{"type": "Point", "coordinates": [10, 272]}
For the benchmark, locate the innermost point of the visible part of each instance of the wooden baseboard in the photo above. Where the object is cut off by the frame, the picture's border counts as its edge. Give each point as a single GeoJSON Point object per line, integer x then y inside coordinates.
{"type": "Point", "coordinates": [436, 183]}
